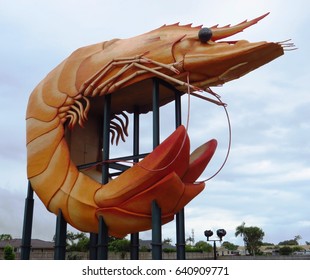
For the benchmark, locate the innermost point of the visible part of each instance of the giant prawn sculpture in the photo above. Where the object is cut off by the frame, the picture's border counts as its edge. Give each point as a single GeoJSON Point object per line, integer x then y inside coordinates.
{"type": "Point", "coordinates": [189, 58]}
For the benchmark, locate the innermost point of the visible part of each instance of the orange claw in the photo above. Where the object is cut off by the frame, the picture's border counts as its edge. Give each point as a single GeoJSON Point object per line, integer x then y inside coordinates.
{"type": "Point", "coordinates": [166, 175]}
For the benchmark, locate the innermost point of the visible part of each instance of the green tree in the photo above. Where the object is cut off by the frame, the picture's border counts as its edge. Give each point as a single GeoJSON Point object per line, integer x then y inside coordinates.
{"type": "Point", "coordinates": [267, 244]}
{"type": "Point", "coordinates": [77, 242]}
{"type": "Point", "coordinates": [189, 240]}
{"type": "Point", "coordinates": [5, 237]}
{"type": "Point", "coordinates": [229, 246]}
{"type": "Point", "coordinates": [167, 241]}
{"type": "Point", "coordinates": [253, 237]}
{"type": "Point", "coordinates": [9, 253]}
{"type": "Point", "coordinates": [285, 250]}
{"type": "Point", "coordinates": [120, 245]}
{"type": "Point", "coordinates": [240, 231]}
{"type": "Point", "coordinates": [291, 242]}
{"type": "Point", "coordinates": [297, 248]}
{"type": "Point", "coordinates": [203, 246]}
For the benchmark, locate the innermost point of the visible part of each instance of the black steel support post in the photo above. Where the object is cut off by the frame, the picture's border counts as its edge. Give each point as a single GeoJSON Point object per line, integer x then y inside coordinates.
{"type": "Point", "coordinates": [156, 211]}
{"type": "Point", "coordinates": [103, 236]}
{"type": "Point", "coordinates": [61, 236]}
{"type": "Point", "coordinates": [27, 227]}
{"type": "Point", "coordinates": [106, 139]}
{"type": "Point", "coordinates": [156, 127]}
{"type": "Point", "coordinates": [180, 224]}
{"type": "Point", "coordinates": [156, 232]}
{"type": "Point", "coordinates": [214, 249]}
{"type": "Point", "coordinates": [103, 239]}
{"type": "Point", "coordinates": [134, 237]}
{"type": "Point", "coordinates": [93, 239]}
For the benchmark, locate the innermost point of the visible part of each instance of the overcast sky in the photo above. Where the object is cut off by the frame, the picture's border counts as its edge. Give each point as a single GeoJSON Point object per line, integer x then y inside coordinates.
{"type": "Point", "coordinates": [265, 182]}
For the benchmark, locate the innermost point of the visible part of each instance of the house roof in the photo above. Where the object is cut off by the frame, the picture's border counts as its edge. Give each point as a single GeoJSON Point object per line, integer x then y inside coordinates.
{"type": "Point", "coordinates": [35, 243]}
{"type": "Point", "coordinates": [148, 244]}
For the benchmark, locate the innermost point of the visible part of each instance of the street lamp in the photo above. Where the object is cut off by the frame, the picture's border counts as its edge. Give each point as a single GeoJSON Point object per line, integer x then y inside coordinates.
{"type": "Point", "coordinates": [220, 233]}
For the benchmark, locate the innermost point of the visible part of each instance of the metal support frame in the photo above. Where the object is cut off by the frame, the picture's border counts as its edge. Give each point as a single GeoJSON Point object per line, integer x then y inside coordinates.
{"type": "Point", "coordinates": [103, 239]}
{"type": "Point", "coordinates": [93, 240]}
{"type": "Point", "coordinates": [103, 236]}
{"type": "Point", "coordinates": [180, 224]}
{"type": "Point", "coordinates": [156, 232]}
{"type": "Point", "coordinates": [156, 211]}
{"type": "Point", "coordinates": [61, 236]}
{"type": "Point", "coordinates": [27, 227]}
{"type": "Point", "coordinates": [134, 237]}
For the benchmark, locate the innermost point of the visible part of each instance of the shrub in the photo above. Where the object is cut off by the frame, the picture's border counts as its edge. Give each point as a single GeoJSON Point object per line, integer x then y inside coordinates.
{"type": "Point", "coordinates": [9, 253]}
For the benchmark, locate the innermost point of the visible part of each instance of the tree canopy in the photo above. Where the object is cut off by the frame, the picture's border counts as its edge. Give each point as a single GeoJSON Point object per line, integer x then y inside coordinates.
{"type": "Point", "coordinates": [203, 246]}
{"type": "Point", "coordinates": [252, 237]}
{"type": "Point", "coordinates": [229, 246]}
{"type": "Point", "coordinates": [291, 242]}
{"type": "Point", "coordinates": [5, 237]}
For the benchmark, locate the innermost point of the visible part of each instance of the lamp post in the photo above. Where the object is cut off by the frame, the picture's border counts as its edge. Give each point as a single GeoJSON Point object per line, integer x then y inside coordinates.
{"type": "Point", "coordinates": [220, 233]}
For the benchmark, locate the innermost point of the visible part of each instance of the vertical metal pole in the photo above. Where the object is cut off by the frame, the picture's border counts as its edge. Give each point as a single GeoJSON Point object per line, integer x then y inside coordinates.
{"type": "Point", "coordinates": [180, 228]}
{"type": "Point", "coordinates": [178, 109]}
{"type": "Point", "coordinates": [180, 224]}
{"type": "Point", "coordinates": [106, 138]}
{"type": "Point", "coordinates": [214, 249]}
{"type": "Point", "coordinates": [61, 236]}
{"type": "Point", "coordinates": [93, 239]}
{"type": "Point", "coordinates": [156, 211]}
{"type": "Point", "coordinates": [156, 127]}
{"type": "Point", "coordinates": [27, 227]}
{"type": "Point", "coordinates": [103, 229]}
{"type": "Point", "coordinates": [134, 237]}
{"type": "Point", "coordinates": [134, 244]}
{"type": "Point", "coordinates": [103, 239]}
{"type": "Point", "coordinates": [156, 232]}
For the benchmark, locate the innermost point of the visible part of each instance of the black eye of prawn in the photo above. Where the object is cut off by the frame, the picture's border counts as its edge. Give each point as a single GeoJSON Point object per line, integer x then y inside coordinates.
{"type": "Point", "coordinates": [205, 34]}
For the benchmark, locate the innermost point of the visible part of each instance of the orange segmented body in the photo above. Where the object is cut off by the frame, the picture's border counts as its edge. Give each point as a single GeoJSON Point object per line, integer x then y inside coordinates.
{"type": "Point", "coordinates": [70, 93]}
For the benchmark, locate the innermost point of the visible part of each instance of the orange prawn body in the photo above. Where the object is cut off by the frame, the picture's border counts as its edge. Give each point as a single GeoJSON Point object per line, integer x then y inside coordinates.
{"type": "Point", "coordinates": [168, 174]}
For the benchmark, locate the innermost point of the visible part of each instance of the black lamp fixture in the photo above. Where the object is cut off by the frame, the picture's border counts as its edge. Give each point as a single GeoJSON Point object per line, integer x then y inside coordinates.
{"type": "Point", "coordinates": [220, 233]}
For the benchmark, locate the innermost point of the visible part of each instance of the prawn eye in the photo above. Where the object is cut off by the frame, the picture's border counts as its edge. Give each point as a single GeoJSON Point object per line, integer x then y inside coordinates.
{"type": "Point", "coordinates": [205, 34]}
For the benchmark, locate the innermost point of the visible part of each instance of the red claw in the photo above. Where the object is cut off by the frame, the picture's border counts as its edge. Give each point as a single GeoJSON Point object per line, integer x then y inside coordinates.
{"type": "Point", "coordinates": [167, 175]}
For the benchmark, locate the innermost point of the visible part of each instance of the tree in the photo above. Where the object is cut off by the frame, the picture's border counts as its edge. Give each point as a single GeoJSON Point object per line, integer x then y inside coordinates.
{"type": "Point", "coordinates": [240, 231]}
{"type": "Point", "coordinates": [285, 250]}
{"type": "Point", "coordinates": [77, 242]}
{"type": "Point", "coordinates": [120, 245]}
{"type": "Point", "coordinates": [267, 244]}
{"type": "Point", "coordinates": [297, 238]}
{"type": "Point", "coordinates": [167, 241]}
{"type": "Point", "coordinates": [5, 237]}
{"type": "Point", "coordinates": [291, 242]}
{"type": "Point", "coordinates": [9, 253]}
{"type": "Point", "coordinates": [229, 246]}
{"type": "Point", "coordinates": [203, 246]}
{"type": "Point", "coordinates": [189, 240]}
{"type": "Point", "coordinates": [253, 237]}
